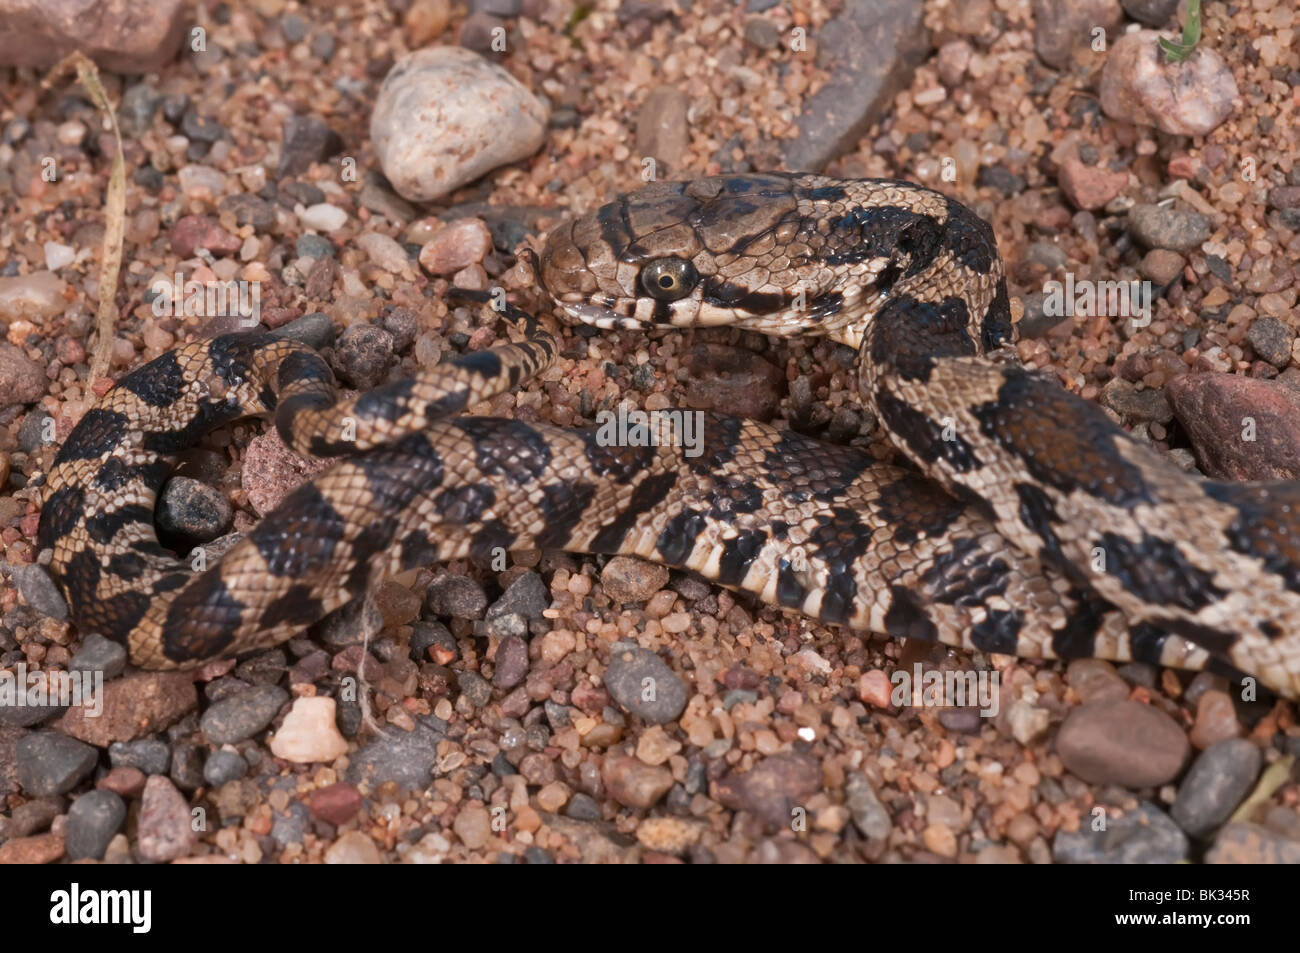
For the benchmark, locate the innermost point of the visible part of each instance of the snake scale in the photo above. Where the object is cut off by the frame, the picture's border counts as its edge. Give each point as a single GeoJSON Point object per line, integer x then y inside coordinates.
{"type": "Point", "coordinates": [1022, 521]}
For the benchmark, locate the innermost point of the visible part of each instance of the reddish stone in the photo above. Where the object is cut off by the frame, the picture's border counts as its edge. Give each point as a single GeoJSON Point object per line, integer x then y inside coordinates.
{"type": "Point", "coordinates": [199, 231]}
{"type": "Point", "coordinates": [124, 781]}
{"type": "Point", "coordinates": [336, 804]}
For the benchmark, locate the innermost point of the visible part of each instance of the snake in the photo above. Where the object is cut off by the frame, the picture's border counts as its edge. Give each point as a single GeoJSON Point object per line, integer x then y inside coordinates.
{"type": "Point", "coordinates": [1017, 518]}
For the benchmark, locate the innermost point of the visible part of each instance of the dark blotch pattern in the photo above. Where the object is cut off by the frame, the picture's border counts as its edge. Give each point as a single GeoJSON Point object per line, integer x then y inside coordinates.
{"type": "Point", "coordinates": [969, 238]}
{"type": "Point", "coordinates": [678, 537]}
{"type": "Point", "coordinates": [998, 631]}
{"type": "Point", "coordinates": [298, 607]}
{"type": "Point", "coordinates": [906, 617]}
{"type": "Point", "coordinates": [908, 335]}
{"type": "Point", "coordinates": [562, 507]}
{"type": "Point", "coordinates": [1157, 572]}
{"type": "Point", "coordinates": [1062, 440]}
{"type": "Point", "coordinates": [59, 515]}
{"type": "Point", "coordinates": [839, 539]}
{"type": "Point", "coordinates": [965, 575]}
{"type": "Point", "coordinates": [1268, 527]}
{"type": "Point", "coordinates": [464, 504]}
{"type": "Point", "coordinates": [507, 447]}
{"type": "Point", "coordinates": [916, 507]}
{"type": "Point", "coordinates": [924, 437]}
{"type": "Point", "coordinates": [202, 619]}
{"type": "Point", "coordinates": [98, 432]}
{"type": "Point", "coordinates": [648, 494]}
{"type": "Point", "coordinates": [299, 536]}
{"type": "Point", "coordinates": [102, 526]}
{"type": "Point", "coordinates": [159, 383]}
{"type": "Point", "coordinates": [738, 554]}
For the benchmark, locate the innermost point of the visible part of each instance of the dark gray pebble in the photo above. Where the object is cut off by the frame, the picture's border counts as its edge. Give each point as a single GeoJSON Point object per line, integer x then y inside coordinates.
{"type": "Point", "coordinates": [241, 716]}
{"type": "Point", "coordinates": [98, 654]}
{"type": "Point", "coordinates": [643, 684]}
{"type": "Point", "coordinates": [93, 820]}
{"type": "Point", "coordinates": [148, 755]}
{"type": "Point", "coordinates": [1145, 835]}
{"type": "Point", "coordinates": [51, 763]}
{"type": "Point", "coordinates": [1218, 780]}
{"type": "Point", "coordinates": [223, 766]}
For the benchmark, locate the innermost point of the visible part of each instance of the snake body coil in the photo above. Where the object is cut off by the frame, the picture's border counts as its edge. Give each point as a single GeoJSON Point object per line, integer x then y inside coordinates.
{"type": "Point", "coordinates": [1034, 526]}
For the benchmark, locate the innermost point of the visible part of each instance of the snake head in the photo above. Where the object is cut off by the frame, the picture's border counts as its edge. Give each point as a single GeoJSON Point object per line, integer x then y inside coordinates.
{"type": "Point", "coordinates": [774, 253]}
{"type": "Point", "coordinates": [719, 250]}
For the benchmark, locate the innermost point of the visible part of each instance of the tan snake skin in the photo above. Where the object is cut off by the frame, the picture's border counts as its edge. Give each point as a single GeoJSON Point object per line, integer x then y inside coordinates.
{"type": "Point", "coordinates": [994, 545]}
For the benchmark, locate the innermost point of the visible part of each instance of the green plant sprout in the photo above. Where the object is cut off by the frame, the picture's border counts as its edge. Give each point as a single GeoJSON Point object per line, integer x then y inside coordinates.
{"type": "Point", "coordinates": [1176, 52]}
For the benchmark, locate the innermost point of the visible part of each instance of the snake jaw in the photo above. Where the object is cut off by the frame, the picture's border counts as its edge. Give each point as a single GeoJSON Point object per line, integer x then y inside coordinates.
{"type": "Point", "coordinates": [597, 316]}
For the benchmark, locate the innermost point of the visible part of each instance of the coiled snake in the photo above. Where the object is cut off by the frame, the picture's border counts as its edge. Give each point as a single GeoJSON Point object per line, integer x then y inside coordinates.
{"type": "Point", "coordinates": [1028, 523]}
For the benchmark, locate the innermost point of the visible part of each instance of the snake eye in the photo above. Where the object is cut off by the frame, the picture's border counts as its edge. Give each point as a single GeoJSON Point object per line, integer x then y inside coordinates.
{"type": "Point", "coordinates": [668, 279]}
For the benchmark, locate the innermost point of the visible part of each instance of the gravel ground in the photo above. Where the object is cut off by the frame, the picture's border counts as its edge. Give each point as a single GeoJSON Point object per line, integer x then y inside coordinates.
{"type": "Point", "coordinates": [510, 724]}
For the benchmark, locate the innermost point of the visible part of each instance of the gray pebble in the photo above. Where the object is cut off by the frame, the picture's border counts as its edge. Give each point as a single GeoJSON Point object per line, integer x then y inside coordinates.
{"type": "Point", "coordinates": [322, 46]}
{"type": "Point", "coordinates": [363, 355]}
{"type": "Point", "coordinates": [92, 821]}
{"type": "Point", "coordinates": [223, 766]}
{"type": "Point", "coordinates": [39, 590]}
{"type": "Point", "coordinates": [187, 766]}
{"type": "Point", "coordinates": [293, 27]}
{"type": "Point", "coordinates": [138, 105]}
{"type": "Point", "coordinates": [193, 510]}
{"type": "Point", "coordinates": [456, 596]}
{"type": "Point", "coordinates": [582, 807]}
{"type": "Point", "coordinates": [314, 329]}
{"type": "Point", "coordinates": [643, 684]}
{"type": "Point", "coordinates": [98, 654]}
{"type": "Point", "coordinates": [313, 246]}
{"type": "Point", "coordinates": [1150, 12]}
{"type": "Point", "coordinates": [1155, 226]}
{"type": "Point", "coordinates": [403, 757]}
{"type": "Point", "coordinates": [307, 139]}
{"type": "Point", "coordinates": [31, 432]}
{"type": "Point", "coordinates": [870, 817]}
{"type": "Point", "coordinates": [502, 626]}
{"type": "Point", "coordinates": [241, 716]}
{"type": "Point", "coordinates": [425, 635]}
{"type": "Point", "coordinates": [1218, 780]}
{"type": "Point", "coordinates": [248, 210]}
{"type": "Point", "coordinates": [198, 128]}
{"type": "Point", "coordinates": [290, 827]}
{"type": "Point", "coordinates": [175, 106]}
{"type": "Point", "coordinates": [475, 688]}
{"type": "Point", "coordinates": [1000, 178]}
{"type": "Point", "coordinates": [148, 755]}
{"type": "Point", "coordinates": [762, 33]}
{"type": "Point", "coordinates": [527, 596]}
{"type": "Point", "coordinates": [51, 763]}
{"type": "Point", "coordinates": [1142, 836]}
{"type": "Point", "coordinates": [1272, 339]}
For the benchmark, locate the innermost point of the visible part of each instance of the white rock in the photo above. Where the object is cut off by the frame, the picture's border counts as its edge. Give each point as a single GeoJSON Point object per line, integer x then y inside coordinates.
{"type": "Point", "coordinates": [59, 256]}
{"type": "Point", "coordinates": [309, 733]}
{"type": "Point", "coordinates": [35, 296]}
{"type": "Point", "coordinates": [445, 116]}
{"type": "Point", "coordinates": [199, 179]}
{"type": "Point", "coordinates": [323, 217]}
{"type": "Point", "coordinates": [353, 847]}
{"type": "Point", "coordinates": [385, 252]}
{"type": "Point", "coordinates": [1184, 99]}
